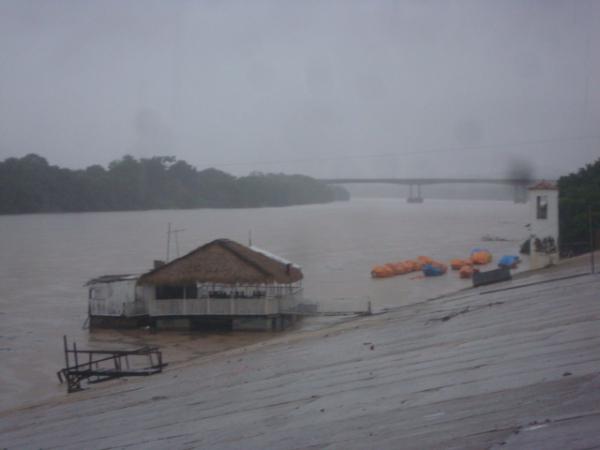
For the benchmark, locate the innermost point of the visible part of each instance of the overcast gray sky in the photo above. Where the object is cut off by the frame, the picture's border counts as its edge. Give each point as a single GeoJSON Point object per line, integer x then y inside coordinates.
{"type": "Point", "coordinates": [326, 88]}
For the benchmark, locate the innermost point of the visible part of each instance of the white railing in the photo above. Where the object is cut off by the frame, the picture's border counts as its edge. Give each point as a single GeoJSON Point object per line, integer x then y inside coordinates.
{"type": "Point", "coordinates": [221, 306]}
{"type": "Point", "coordinates": [102, 307]}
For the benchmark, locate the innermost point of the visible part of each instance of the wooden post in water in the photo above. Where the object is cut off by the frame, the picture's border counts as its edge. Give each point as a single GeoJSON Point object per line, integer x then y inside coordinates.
{"type": "Point", "coordinates": [66, 351]}
{"type": "Point", "coordinates": [75, 354]}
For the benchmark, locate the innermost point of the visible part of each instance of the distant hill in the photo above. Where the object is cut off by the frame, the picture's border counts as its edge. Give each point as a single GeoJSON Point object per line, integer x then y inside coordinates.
{"type": "Point", "coordinates": [31, 185]}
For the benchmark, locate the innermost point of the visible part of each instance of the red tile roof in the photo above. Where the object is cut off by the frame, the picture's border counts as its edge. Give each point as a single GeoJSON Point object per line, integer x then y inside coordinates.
{"type": "Point", "coordinates": [544, 185]}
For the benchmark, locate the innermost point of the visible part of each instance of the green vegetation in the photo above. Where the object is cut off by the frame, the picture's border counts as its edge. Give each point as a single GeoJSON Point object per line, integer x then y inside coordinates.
{"type": "Point", "coordinates": [30, 185]}
{"type": "Point", "coordinates": [578, 191]}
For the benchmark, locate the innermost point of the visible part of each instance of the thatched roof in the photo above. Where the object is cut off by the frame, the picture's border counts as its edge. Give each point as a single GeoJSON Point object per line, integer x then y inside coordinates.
{"type": "Point", "coordinates": [224, 261]}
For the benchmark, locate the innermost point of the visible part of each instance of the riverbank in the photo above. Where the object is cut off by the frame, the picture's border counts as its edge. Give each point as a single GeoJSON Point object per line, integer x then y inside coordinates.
{"type": "Point", "coordinates": [479, 369]}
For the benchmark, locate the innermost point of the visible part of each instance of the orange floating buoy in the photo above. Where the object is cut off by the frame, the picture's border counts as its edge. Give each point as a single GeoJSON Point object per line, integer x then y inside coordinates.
{"type": "Point", "coordinates": [439, 265]}
{"type": "Point", "coordinates": [466, 272]}
{"type": "Point", "coordinates": [424, 259]}
{"type": "Point", "coordinates": [404, 267]}
{"type": "Point", "coordinates": [457, 263]}
{"type": "Point", "coordinates": [412, 266]}
{"type": "Point", "coordinates": [481, 257]}
{"type": "Point", "coordinates": [382, 272]}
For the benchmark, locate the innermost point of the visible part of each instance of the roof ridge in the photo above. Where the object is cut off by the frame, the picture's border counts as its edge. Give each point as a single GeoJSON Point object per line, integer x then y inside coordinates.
{"type": "Point", "coordinates": [179, 258]}
{"type": "Point", "coordinates": [226, 244]}
{"type": "Point", "coordinates": [240, 263]}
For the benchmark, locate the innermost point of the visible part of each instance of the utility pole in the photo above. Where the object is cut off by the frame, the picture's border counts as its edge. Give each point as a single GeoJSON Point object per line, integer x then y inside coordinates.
{"type": "Point", "coordinates": [592, 247]}
{"type": "Point", "coordinates": [171, 231]}
{"type": "Point", "coordinates": [168, 242]}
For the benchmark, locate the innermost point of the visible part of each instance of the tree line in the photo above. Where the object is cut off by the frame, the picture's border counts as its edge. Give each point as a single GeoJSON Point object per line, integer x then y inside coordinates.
{"type": "Point", "coordinates": [31, 185]}
{"type": "Point", "coordinates": [578, 193]}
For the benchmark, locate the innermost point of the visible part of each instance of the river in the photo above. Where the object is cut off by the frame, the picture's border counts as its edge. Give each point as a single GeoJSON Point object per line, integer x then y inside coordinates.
{"type": "Point", "coordinates": [45, 259]}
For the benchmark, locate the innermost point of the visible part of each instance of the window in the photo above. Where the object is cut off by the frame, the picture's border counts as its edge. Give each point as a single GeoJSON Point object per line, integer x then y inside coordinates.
{"type": "Point", "coordinates": [166, 292]}
{"type": "Point", "coordinates": [191, 291]}
{"type": "Point", "coordinates": [542, 206]}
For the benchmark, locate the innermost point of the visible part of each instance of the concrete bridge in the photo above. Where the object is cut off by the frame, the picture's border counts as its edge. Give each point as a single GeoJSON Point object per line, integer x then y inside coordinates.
{"type": "Point", "coordinates": [414, 184]}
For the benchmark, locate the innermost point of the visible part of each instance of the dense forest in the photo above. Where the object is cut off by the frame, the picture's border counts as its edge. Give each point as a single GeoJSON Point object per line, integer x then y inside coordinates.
{"type": "Point", "coordinates": [30, 185]}
{"type": "Point", "coordinates": [578, 191]}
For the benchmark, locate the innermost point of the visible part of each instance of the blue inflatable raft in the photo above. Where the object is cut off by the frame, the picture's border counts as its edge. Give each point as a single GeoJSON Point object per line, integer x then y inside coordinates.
{"type": "Point", "coordinates": [433, 271]}
{"type": "Point", "coordinates": [508, 261]}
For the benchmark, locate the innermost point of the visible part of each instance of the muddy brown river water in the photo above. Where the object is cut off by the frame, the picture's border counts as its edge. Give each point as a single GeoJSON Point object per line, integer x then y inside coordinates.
{"type": "Point", "coordinates": [45, 260]}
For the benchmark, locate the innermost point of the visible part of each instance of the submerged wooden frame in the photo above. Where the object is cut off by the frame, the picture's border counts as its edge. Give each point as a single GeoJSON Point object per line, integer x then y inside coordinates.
{"type": "Point", "coordinates": [104, 365]}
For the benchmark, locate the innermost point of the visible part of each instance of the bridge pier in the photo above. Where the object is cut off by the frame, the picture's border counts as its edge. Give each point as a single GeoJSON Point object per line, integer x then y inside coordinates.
{"type": "Point", "coordinates": [412, 198]}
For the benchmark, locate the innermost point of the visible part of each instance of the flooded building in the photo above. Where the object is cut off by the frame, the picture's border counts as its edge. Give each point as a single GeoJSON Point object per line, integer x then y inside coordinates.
{"type": "Point", "coordinates": [222, 283]}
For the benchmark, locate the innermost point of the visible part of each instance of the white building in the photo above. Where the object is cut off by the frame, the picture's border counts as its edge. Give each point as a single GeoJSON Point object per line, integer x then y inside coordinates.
{"type": "Point", "coordinates": [116, 296]}
{"type": "Point", "coordinates": [543, 201]}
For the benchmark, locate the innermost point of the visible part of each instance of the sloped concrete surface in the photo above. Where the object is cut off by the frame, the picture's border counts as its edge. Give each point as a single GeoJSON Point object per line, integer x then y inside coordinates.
{"type": "Point", "coordinates": [514, 369]}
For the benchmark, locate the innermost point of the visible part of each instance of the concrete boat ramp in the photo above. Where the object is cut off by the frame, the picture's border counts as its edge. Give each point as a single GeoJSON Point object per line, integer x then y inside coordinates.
{"type": "Point", "coordinates": [507, 369]}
